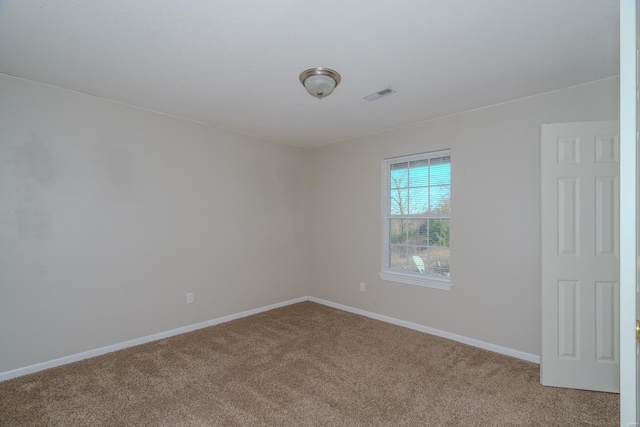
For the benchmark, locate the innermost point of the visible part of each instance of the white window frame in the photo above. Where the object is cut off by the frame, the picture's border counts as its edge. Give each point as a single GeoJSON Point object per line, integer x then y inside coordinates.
{"type": "Point", "coordinates": [403, 276]}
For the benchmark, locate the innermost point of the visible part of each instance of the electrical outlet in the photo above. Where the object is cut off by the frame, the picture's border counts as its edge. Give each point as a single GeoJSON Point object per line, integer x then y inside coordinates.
{"type": "Point", "coordinates": [190, 298]}
{"type": "Point", "coordinates": [361, 286]}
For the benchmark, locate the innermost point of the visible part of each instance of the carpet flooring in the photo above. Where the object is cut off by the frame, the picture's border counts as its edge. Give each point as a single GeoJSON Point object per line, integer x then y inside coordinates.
{"type": "Point", "coordinates": [300, 365]}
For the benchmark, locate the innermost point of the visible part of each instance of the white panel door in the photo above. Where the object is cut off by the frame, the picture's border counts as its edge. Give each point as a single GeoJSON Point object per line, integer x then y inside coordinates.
{"type": "Point", "coordinates": [580, 287]}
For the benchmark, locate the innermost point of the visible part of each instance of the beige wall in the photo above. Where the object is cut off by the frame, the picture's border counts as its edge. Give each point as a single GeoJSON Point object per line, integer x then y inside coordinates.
{"type": "Point", "coordinates": [495, 219]}
{"type": "Point", "coordinates": [109, 215]}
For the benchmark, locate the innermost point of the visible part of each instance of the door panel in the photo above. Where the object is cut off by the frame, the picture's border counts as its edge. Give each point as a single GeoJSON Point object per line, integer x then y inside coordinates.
{"type": "Point", "coordinates": [606, 320]}
{"type": "Point", "coordinates": [579, 255]}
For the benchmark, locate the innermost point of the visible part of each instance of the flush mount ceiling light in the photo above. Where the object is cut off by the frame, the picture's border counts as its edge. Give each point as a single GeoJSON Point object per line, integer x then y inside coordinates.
{"type": "Point", "coordinates": [320, 82]}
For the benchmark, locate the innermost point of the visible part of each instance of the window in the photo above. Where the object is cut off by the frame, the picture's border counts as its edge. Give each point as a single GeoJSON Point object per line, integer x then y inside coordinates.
{"type": "Point", "coordinates": [416, 219]}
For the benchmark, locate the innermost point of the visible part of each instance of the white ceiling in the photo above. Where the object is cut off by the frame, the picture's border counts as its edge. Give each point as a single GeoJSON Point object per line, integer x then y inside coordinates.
{"type": "Point", "coordinates": [235, 63]}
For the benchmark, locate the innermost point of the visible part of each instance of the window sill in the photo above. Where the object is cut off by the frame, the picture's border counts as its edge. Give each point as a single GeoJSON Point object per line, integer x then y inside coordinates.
{"type": "Point", "coordinates": [416, 279]}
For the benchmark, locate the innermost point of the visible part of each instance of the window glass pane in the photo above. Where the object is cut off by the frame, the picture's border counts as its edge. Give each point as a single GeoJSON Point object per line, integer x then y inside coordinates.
{"type": "Point", "coordinates": [439, 232]}
{"type": "Point", "coordinates": [399, 200]}
{"type": "Point", "coordinates": [399, 175]}
{"type": "Point", "coordinates": [398, 257]}
{"type": "Point", "coordinates": [418, 202]}
{"type": "Point", "coordinates": [440, 172]}
{"type": "Point", "coordinates": [417, 232]}
{"type": "Point", "coordinates": [397, 231]}
{"type": "Point", "coordinates": [419, 173]}
{"type": "Point", "coordinates": [439, 200]}
{"type": "Point", "coordinates": [439, 261]}
{"type": "Point", "coordinates": [418, 188]}
{"type": "Point", "coordinates": [417, 259]}
{"type": "Point", "coordinates": [444, 160]}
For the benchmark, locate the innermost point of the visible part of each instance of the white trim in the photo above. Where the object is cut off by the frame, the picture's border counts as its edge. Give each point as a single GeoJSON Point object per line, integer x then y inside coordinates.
{"type": "Point", "coordinates": [420, 328]}
{"type": "Point", "coordinates": [161, 335]}
{"type": "Point", "coordinates": [137, 341]}
{"type": "Point", "coordinates": [416, 279]}
{"type": "Point", "coordinates": [629, 387]}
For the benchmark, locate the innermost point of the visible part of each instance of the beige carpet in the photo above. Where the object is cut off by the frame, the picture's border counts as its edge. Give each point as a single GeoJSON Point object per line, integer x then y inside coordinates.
{"type": "Point", "coordinates": [301, 365]}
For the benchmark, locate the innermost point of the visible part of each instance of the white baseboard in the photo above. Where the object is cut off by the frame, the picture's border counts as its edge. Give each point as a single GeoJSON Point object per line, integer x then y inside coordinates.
{"type": "Point", "coordinates": [470, 341]}
{"type": "Point", "coordinates": [137, 341]}
{"type": "Point", "coordinates": [161, 335]}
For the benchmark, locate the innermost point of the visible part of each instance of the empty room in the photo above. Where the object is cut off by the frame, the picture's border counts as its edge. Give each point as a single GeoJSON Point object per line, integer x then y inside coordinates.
{"type": "Point", "coordinates": [309, 213]}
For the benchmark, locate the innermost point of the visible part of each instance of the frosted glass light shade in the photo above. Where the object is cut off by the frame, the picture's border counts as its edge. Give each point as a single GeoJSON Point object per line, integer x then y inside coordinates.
{"type": "Point", "coordinates": [319, 82]}
{"type": "Point", "coordinates": [319, 85]}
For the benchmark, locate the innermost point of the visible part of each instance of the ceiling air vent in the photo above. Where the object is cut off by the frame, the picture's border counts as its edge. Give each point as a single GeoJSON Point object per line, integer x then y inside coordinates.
{"type": "Point", "coordinates": [380, 94]}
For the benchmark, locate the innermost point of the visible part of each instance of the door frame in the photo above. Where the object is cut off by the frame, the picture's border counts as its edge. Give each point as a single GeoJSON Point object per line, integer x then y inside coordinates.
{"type": "Point", "coordinates": [628, 216]}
